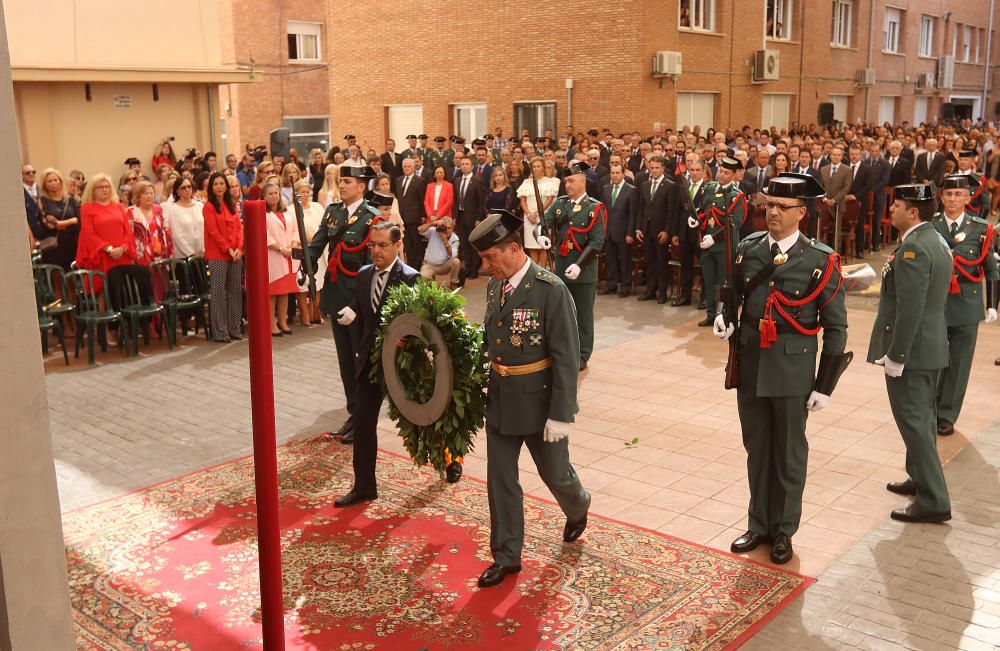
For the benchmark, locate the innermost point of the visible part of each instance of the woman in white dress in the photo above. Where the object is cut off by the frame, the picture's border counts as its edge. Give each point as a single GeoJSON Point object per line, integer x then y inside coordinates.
{"type": "Point", "coordinates": [533, 210]}
{"type": "Point", "coordinates": [185, 220]}
{"type": "Point", "coordinates": [312, 215]}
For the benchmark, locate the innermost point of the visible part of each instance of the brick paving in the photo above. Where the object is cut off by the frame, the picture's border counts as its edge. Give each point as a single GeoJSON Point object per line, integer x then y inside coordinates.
{"type": "Point", "coordinates": [126, 424]}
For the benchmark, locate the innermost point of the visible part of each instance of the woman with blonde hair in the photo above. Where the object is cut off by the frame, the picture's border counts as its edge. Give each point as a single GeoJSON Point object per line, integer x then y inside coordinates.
{"type": "Point", "coordinates": [106, 239]}
{"type": "Point", "coordinates": [535, 194]}
{"type": "Point", "coordinates": [290, 175]}
{"type": "Point", "coordinates": [312, 215]}
{"type": "Point", "coordinates": [264, 170]}
{"type": "Point", "coordinates": [62, 212]}
{"type": "Point", "coordinates": [330, 191]}
{"type": "Point", "coordinates": [282, 237]}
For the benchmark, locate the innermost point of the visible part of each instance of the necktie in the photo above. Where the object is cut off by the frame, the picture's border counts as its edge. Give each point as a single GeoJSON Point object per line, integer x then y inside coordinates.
{"type": "Point", "coordinates": [954, 228]}
{"type": "Point", "coordinates": [775, 250]}
{"type": "Point", "coordinates": [377, 288]}
{"type": "Point", "coordinates": [614, 196]}
{"type": "Point", "coordinates": [508, 289]}
{"type": "Point", "coordinates": [892, 163]}
{"type": "Point", "coordinates": [760, 179]}
{"type": "Point", "coordinates": [461, 194]}
{"type": "Point", "coordinates": [652, 191]}
{"type": "Point", "coordinates": [406, 184]}
{"type": "Point", "coordinates": [833, 171]}
{"type": "Point", "coordinates": [479, 170]}
{"type": "Point", "coordinates": [693, 190]}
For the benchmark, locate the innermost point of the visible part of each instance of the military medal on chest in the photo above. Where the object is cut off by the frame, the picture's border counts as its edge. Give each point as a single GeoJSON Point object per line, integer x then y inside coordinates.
{"type": "Point", "coordinates": [780, 259]}
{"type": "Point", "coordinates": [352, 219]}
{"type": "Point", "coordinates": [960, 237]}
{"type": "Point", "coordinates": [887, 267]}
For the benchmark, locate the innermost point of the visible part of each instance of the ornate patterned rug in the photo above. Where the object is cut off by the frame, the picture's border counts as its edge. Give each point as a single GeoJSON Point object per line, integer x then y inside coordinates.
{"type": "Point", "coordinates": [174, 566]}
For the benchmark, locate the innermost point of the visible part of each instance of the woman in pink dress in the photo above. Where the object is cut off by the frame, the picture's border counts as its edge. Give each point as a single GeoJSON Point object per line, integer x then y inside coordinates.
{"type": "Point", "coordinates": [282, 237]}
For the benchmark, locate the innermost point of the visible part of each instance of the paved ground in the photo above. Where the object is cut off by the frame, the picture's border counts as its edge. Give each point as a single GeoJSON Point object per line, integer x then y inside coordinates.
{"type": "Point", "coordinates": [123, 425]}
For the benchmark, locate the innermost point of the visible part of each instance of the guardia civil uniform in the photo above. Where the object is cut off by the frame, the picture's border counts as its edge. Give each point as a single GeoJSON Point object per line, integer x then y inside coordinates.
{"type": "Point", "coordinates": [788, 296]}
{"type": "Point", "coordinates": [346, 235]}
{"type": "Point", "coordinates": [975, 276]}
{"type": "Point", "coordinates": [979, 194]}
{"type": "Point", "coordinates": [577, 229]}
{"type": "Point", "coordinates": [719, 203]}
{"type": "Point", "coordinates": [534, 349]}
{"type": "Point", "coordinates": [911, 329]}
{"type": "Point", "coordinates": [437, 157]}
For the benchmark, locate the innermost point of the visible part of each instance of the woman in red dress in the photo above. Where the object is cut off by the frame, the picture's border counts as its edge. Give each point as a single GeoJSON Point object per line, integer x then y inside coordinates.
{"type": "Point", "coordinates": [106, 239]}
{"type": "Point", "coordinates": [152, 238]}
{"type": "Point", "coordinates": [282, 237]}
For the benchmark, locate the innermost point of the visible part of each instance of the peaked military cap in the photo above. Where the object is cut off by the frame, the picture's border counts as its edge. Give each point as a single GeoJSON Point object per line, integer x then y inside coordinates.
{"type": "Point", "coordinates": [363, 172]}
{"type": "Point", "coordinates": [497, 227]}
{"type": "Point", "coordinates": [379, 199]}
{"type": "Point", "coordinates": [915, 192]}
{"type": "Point", "coordinates": [960, 182]}
{"type": "Point", "coordinates": [731, 164]}
{"type": "Point", "coordinates": [577, 167]}
{"type": "Point", "coordinates": [792, 185]}
{"type": "Point", "coordinates": [968, 153]}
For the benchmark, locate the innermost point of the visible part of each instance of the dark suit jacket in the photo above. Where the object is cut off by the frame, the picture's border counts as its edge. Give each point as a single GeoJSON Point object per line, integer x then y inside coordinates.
{"type": "Point", "coordinates": [861, 186]}
{"type": "Point", "coordinates": [484, 176]}
{"type": "Point", "coordinates": [623, 215]}
{"type": "Point", "coordinates": [392, 164]}
{"type": "Point", "coordinates": [34, 214]}
{"type": "Point", "coordinates": [689, 206]}
{"type": "Point", "coordinates": [635, 163]}
{"type": "Point", "coordinates": [368, 321]}
{"type": "Point", "coordinates": [900, 173]}
{"type": "Point", "coordinates": [933, 173]}
{"type": "Point", "coordinates": [658, 213]}
{"type": "Point", "coordinates": [411, 206]}
{"type": "Point", "coordinates": [751, 177]}
{"type": "Point", "coordinates": [475, 199]}
{"type": "Point", "coordinates": [879, 169]}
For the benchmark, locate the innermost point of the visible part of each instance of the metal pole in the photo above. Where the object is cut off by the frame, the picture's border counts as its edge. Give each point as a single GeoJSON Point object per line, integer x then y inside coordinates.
{"type": "Point", "coordinates": [265, 453]}
{"type": "Point", "coordinates": [987, 68]}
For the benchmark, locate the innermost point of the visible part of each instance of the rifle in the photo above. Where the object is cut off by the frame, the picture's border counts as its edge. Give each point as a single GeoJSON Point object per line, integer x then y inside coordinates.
{"type": "Point", "coordinates": [307, 270]}
{"type": "Point", "coordinates": [549, 258]}
{"type": "Point", "coordinates": [729, 305]}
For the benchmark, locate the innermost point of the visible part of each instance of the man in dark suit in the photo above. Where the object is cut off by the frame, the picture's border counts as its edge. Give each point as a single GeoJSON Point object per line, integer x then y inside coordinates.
{"type": "Point", "coordinates": [409, 190]}
{"type": "Point", "coordinates": [682, 235]}
{"type": "Point", "coordinates": [392, 162]}
{"type": "Point", "coordinates": [32, 209]}
{"type": "Point", "coordinates": [805, 166]}
{"type": "Point", "coordinates": [374, 281]}
{"type": "Point", "coordinates": [660, 203]}
{"type": "Point", "coordinates": [900, 169]}
{"type": "Point", "coordinates": [878, 166]}
{"type": "Point", "coordinates": [931, 164]}
{"type": "Point", "coordinates": [758, 176]}
{"type": "Point", "coordinates": [861, 186]}
{"type": "Point", "coordinates": [483, 169]}
{"type": "Point", "coordinates": [470, 208]}
{"type": "Point", "coordinates": [622, 201]}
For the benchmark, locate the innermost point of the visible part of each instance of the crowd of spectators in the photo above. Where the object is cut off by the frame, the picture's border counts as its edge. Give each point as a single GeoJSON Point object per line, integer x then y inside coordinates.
{"type": "Point", "coordinates": [192, 206]}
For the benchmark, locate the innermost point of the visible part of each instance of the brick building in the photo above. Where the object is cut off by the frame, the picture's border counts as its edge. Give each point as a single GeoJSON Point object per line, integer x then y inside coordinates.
{"type": "Point", "coordinates": [387, 69]}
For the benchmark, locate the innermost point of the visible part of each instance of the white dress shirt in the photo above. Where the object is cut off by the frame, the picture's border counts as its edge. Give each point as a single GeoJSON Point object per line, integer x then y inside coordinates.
{"type": "Point", "coordinates": [783, 244]}
{"type": "Point", "coordinates": [518, 276]}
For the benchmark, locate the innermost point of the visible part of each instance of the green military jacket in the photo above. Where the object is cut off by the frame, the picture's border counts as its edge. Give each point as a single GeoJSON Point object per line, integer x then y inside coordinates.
{"type": "Point", "coordinates": [979, 202]}
{"type": "Point", "coordinates": [910, 325]}
{"type": "Point", "coordinates": [343, 231]}
{"type": "Point", "coordinates": [966, 307]}
{"type": "Point", "coordinates": [721, 201]}
{"type": "Point", "coordinates": [788, 366]}
{"type": "Point", "coordinates": [435, 158]}
{"type": "Point", "coordinates": [566, 222]}
{"type": "Point", "coordinates": [538, 320]}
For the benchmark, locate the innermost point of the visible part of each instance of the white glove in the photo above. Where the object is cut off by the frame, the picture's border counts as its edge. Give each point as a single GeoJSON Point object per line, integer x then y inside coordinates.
{"type": "Point", "coordinates": [573, 271]}
{"type": "Point", "coordinates": [555, 431]}
{"type": "Point", "coordinates": [892, 369]}
{"type": "Point", "coordinates": [817, 401]}
{"type": "Point", "coordinates": [707, 242]}
{"type": "Point", "coordinates": [544, 241]}
{"type": "Point", "coordinates": [991, 315]}
{"type": "Point", "coordinates": [721, 329]}
{"type": "Point", "coordinates": [347, 316]}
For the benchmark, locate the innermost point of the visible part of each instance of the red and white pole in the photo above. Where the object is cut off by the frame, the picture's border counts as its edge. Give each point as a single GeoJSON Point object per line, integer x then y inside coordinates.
{"type": "Point", "coordinates": [265, 450]}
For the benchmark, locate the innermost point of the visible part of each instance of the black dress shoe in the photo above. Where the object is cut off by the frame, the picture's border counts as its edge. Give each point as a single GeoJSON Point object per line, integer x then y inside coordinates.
{"type": "Point", "coordinates": [583, 364]}
{"type": "Point", "coordinates": [706, 322]}
{"type": "Point", "coordinates": [645, 297]}
{"type": "Point", "coordinates": [353, 497]}
{"type": "Point", "coordinates": [781, 549]}
{"type": "Point", "coordinates": [661, 299]}
{"type": "Point", "coordinates": [681, 300]}
{"type": "Point", "coordinates": [453, 472]}
{"type": "Point", "coordinates": [606, 292]}
{"type": "Point", "coordinates": [346, 427]}
{"type": "Point", "coordinates": [902, 487]}
{"type": "Point", "coordinates": [495, 573]}
{"type": "Point", "coordinates": [748, 542]}
{"type": "Point", "coordinates": [912, 514]}
{"type": "Point", "coordinates": [701, 305]}
{"type": "Point", "coordinates": [945, 428]}
{"type": "Point", "coordinates": [574, 530]}
{"type": "Point", "coordinates": [348, 439]}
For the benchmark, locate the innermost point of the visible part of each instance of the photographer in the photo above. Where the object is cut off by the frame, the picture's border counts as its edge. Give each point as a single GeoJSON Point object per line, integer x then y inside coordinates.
{"type": "Point", "coordinates": [441, 257]}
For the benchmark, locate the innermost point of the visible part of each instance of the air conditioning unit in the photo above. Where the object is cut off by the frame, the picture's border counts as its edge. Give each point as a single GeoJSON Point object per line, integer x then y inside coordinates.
{"type": "Point", "coordinates": [667, 63]}
{"type": "Point", "coordinates": [946, 72]}
{"type": "Point", "coordinates": [925, 81]}
{"type": "Point", "coordinates": [765, 65]}
{"type": "Point", "coordinates": [866, 77]}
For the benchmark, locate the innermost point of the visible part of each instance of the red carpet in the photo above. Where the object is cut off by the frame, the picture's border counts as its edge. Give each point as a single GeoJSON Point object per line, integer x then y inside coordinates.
{"type": "Point", "coordinates": [174, 566]}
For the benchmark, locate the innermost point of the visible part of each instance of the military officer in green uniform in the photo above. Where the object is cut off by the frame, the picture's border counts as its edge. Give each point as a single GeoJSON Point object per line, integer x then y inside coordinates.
{"type": "Point", "coordinates": [531, 336]}
{"type": "Point", "coordinates": [411, 141]}
{"type": "Point", "coordinates": [790, 289]}
{"type": "Point", "coordinates": [577, 223]}
{"type": "Point", "coordinates": [910, 339]}
{"type": "Point", "coordinates": [975, 275]}
{"type": "Point", "coordinates": [438, 156]}
{"type": "Point", "coordinates": [979, 195]}
{"type": "Point", "coordinates": [721, 200]}
{"type": "Point", "coordinates": [345, 230]}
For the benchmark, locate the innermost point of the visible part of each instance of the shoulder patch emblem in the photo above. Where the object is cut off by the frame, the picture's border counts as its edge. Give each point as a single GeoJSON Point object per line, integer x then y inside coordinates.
{"type": "Point", "coordinates": [909, 255]}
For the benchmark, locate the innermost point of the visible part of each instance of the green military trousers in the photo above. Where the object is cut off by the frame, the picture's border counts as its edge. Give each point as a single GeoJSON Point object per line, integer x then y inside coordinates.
{"type": "Point", "coordinates": [583, 297]}
{"type": "Point", "coordinates": [713, 271]}
{"type": "Point", "coordinates": [506, 497]}
{"type": "Point", "coordinates": [954, 380]}
{"type": "Point", "coordinates": [911, 397]}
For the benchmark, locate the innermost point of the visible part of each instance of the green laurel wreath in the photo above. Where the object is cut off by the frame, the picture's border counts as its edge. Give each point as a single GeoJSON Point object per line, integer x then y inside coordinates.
{"type": "Point", "coordinates": [466, 412]}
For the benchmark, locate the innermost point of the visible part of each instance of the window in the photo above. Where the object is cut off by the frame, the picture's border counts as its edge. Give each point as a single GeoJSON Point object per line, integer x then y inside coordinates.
{"type": "Point", "coordinates": [469, 120]}
{"type": "Point", "coordinates": [919, 110]}
{"type": "Point", "coordinates": [979, 41]}
{"type": "Point", "coordinates": [779, 19]}
{"type": "Point", "coordinates": [840, 105]}
{"type": "Point", "coordinates": [775, 111]}
{"type": "Point", "coordinates": [890, 34]}
{"type": "Point", "coordinates": [405, 120]}
{"type": "Point", "coordinates": [842, 22]}
{"type": "Point", "coordinates": [536, 117]}
{"type": "Point", "coordinates": [697, 14]}
{"type": "Point", "coordinates": [696, 110]}
{"type": "Point", "coordinates": [887, 109]}
{"type": "Point", "coordinates": [954, 39]}
{"type": "Point", "coordinates": [308, 132]}
{"type": "Point", "coordinates": [926, 36]}
{"type": "Point", "coordinates": [303, 41]}
{"type": "Point", "coordinates": [967, 32]}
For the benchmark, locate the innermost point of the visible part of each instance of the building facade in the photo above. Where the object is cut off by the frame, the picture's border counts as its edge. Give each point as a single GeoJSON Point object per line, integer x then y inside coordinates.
{"type": "Point", "coordinates": [390, 69]}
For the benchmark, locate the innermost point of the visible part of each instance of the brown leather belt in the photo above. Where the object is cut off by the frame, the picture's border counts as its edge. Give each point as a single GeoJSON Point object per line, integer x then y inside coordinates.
{"type": "Point", "coordinates": [523, 369]}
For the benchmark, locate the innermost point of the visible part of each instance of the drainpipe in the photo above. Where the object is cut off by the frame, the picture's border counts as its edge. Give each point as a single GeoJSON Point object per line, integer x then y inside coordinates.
{"type": "Point", "coordinates": [211, 117]}
{"type": "Point", "coordinates": [871, 53]}
{"type": "Point", "coordinates": [569, 100]}
{"type": "Point", "coordinates": [986, 72]}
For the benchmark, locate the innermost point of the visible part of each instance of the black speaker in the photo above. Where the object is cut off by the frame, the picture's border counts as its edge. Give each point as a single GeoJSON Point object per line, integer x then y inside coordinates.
{"type": "Point", "coordinates": [824, 115]}
{"type": "Point", "coordinates": [947, 111]}
{"type": "Point", "coordinates": [280, 143]}
{"type": "Point", "coordinates": [996, 109]}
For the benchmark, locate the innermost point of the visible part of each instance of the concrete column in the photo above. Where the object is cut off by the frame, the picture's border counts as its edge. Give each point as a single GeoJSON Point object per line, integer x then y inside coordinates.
{"type": "Point", "coordinates": [34, 593]}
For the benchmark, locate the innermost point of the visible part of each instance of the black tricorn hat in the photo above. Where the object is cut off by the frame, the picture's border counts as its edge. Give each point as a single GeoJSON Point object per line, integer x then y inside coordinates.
{"type": "Point", "coordinates": [363, 172]}
{"type": "Point", "coordinates": [792, 185]}
{"type": "Point", "coordinates": [132, 161]}
{"type": "Point", "coordinates": [440, 139]}
{"type": "Point", "coordinates": [422, 136]}
{"type": "Point", "coordinates": [411, 137]}
{"type": "Point", "coordinates": [378, 199]}
{"type": "Point", "coordinates": [960, 182]}
{"type": "Point", "coordinates": [914, 192]}
{"type": "Point", "coordinates": [497, 227]}
{"type": "Point", "coordinates": [731, 164]}
{"type": "Point", "coordinates": [968, 153]}
{"type": "Point", "coordinates": [577, 167]}
{"type": "Point", "coordinates": [349, 137]}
